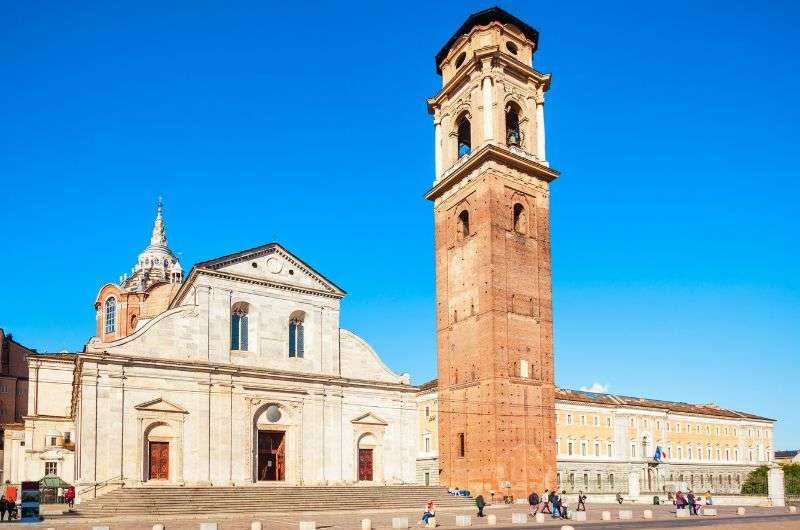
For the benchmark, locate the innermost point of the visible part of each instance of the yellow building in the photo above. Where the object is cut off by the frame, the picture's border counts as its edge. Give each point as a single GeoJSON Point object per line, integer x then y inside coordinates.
{"type": "Point", "coordinates": [607, 443]}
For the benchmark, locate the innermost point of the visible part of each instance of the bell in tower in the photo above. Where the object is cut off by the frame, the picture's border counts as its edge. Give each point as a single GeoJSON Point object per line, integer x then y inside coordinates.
{"type": "Point", "coordinates": [493, 284]}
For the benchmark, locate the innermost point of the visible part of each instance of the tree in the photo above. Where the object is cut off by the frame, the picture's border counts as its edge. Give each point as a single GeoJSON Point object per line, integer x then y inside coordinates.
{"type": "Point", "coordinates": [756, 481]}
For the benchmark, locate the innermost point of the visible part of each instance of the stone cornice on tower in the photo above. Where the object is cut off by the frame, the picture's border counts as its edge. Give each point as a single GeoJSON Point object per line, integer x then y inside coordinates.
{"type": "Point", "coordinates": [515, 159]}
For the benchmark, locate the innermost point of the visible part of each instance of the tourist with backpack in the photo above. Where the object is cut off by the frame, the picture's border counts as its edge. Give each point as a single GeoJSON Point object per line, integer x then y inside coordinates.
{"type": "Point", "coordinates": [534, 501]}
{"type": "Point", "coordinates": [481, 504]}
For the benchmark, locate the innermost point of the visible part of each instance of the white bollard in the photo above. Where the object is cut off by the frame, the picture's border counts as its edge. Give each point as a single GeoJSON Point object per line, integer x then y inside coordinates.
{"type": "Point", "coordinates": [682, 512]}
{"type": "Point", "coordinates": [647, 514]}
{"type": "Point", "coordinates": [709, 511]}
{"type": "Point", "coordinates": [208, 526]}
{"type": "Point", "coordinates": [567, 527]}
{"type": "Point", "coordinates": [740, 511]}
{"type": "Point", "coordinates": [491, 519]}
{"type": "Point", "coordinates": [256, 525]}
{"type": "Point", "coordinates": [101, 528]}
{"type": "Point", "coordinates": [463, 520]}
{"type": "Point", "coordinates": [431, 522]}
{"type": "Point", "coordinates": [578, 516]}
{"type": "Point", "coordinates": [605, 516]}
{"type": "Point", "coordinates": [399, 522]}
{"type": "Point", "coordinates": [308, 525]}
{"type": "Point", "coordinates": [539, 517]}
{"type": "Point", "coordinates": [366, 524]}
{"type": "Point", "coordinates": [519, 518]}
{"type": "Point", "coordinates": [626, 514]}
{"type": "Point", "coordinates": [160, 527]}
{"type": "Point", "coordinates": [792, 509]}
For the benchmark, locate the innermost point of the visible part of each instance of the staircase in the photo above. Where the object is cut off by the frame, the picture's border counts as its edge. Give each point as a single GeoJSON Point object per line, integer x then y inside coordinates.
{"type": "Point", "coordinates": [166, 500]}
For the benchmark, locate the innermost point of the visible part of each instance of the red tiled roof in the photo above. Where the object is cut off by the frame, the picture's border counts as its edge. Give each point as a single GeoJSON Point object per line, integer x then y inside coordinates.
{"type": "Point", "coordinates": [613, 400]}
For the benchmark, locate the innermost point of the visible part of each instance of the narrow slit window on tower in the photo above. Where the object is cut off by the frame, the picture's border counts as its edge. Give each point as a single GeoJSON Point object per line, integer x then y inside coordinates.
{"type": "Point", "coordinates": [464, 137]}
{"type": "Point", "coordinates": [513, 136]}
{"type": "Point", "coordinates": [520, 222]}
{"type": "Point", "coordinates": [461, 444]}
{"type": "Point", "coordinates": [463, 224]}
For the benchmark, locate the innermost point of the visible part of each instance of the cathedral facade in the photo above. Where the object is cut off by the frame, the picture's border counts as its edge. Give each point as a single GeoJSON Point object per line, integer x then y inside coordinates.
{"type": "Point", "coordinates": [241, 375]}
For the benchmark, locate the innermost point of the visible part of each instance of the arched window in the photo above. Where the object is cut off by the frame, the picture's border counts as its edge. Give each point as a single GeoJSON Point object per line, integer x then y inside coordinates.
{"type": "Point", "coordinates": [513, 136]}
{"type": "Point", "coordinates": [463, 224]}
{"type": "Point", "coordinates": [111, 314]}
{"type": "Point", "coordinates": [296, 334]}
{"type": "Point", "coordinates": [464, 136]}
{"type": "Point", "coordinates": [520, 219]}
{"type": "Point", "coordinates": [239, 331]}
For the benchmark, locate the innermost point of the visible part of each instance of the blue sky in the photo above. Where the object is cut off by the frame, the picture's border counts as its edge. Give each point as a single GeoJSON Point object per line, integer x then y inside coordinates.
{"type": "Point", "coordinates": [674, 224]}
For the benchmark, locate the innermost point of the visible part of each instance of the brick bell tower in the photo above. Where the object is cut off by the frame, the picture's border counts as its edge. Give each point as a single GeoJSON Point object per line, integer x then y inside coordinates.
{"type": "Point", "coordinates": [493, 277]}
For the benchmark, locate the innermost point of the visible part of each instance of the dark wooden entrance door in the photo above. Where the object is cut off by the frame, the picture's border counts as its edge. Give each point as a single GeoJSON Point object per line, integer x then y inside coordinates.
{"type": "Point", "coordinates": [159, 460]}
{"type": "Point", "coordinates": [364, 464]}
{"type": "Point", "coordinates": [271, 455]}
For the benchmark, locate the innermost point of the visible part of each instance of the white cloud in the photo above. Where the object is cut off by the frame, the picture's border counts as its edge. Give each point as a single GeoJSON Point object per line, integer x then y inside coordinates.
{"type": "Point", "coordinates": [596, 387]}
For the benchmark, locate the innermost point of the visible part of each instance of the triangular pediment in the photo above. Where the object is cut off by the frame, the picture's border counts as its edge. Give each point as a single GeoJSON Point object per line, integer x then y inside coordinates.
{"type": "Point", "coordinates": [161, 405]}
{"type": "Point", "coordinates": [274, 264]}
{"type": "Point", "coordinates": [369, 419]}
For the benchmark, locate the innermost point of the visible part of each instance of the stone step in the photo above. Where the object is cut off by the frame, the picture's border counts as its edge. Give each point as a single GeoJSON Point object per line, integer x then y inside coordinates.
{"type": "Point", "coordinates": [166, 500]}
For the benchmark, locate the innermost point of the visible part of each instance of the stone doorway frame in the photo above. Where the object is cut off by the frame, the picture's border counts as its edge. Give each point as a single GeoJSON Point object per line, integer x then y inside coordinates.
{"type": "Point", "coordinates": [149, 416]}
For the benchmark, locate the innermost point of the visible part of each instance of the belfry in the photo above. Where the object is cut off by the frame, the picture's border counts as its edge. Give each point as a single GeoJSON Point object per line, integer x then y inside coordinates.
{"type": "Point", "coordinates": [493, 275]}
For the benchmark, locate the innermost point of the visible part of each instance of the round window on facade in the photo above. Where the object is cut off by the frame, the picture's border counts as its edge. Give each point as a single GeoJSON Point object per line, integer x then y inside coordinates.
{"type": "Point", "coordinates": [512, 47]}
{"type": "Point", "coordinates": [460, 59]}
{"type": "Point", "coordinates": [273, 413]}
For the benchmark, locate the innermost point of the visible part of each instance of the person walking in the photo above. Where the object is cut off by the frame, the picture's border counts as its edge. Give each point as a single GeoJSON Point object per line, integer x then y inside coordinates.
{"type": "Point", "coordinates": [430, 511]}
{"type": "Point", "coordinates": [546, 501]}
{"type": "Point", "coordinates": [581, 502]}
{"type": "Point", "coordinates": [534, 501]}
{"type": "Point", "coordinates": [3, 509]}
{"type": "Point", "coordinates": [481, 504]}
{"type": "Point", "coordinates": [555, 505]}
{"type": "Point", "coordinates": [60, 495]}
{"type": "Point", "coordinates": [10, 496]}
{"type": "Point", "coordinates": [69, 496]}
{"type": "Point", "coordinates": [691, 501]}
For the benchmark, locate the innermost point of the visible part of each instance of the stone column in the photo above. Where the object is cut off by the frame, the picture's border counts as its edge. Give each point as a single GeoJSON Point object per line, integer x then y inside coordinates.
{"type": "Point", "coordinates": [488, 133]}
{"type": "Point", "coordinates": [775, 487]}
{"type": "Point", "coordinates": [540, 147]}
{"type": "Point", "coordinates": [437, 139]}
{"type": "Point", "coordinates": [532, 132]}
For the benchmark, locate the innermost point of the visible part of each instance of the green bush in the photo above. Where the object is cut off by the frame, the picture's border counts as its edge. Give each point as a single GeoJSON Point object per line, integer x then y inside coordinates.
{"type": "Point", "coordinates": [756, 481]}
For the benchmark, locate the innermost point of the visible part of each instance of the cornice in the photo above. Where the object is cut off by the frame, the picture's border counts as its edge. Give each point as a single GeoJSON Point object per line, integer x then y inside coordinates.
{"type": "Point", "coordinates": [511, 64]}
{"type": "Point", "coordinates": [243, 371]}
{"type": "Point", "coordinates": [492, 152]}
{"type": "Point", "coordinates": [267, 283]}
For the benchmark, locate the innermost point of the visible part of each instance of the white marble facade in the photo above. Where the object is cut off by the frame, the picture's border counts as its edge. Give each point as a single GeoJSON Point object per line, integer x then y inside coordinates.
{"type": "Point", "coordinates": [182, 383]}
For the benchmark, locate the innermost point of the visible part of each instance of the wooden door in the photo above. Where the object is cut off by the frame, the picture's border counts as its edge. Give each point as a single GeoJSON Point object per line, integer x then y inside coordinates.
{"type": "Point", "coordinates": [159, 460]}
{"type": "Point", "coordinates": [364, 464]}
{"type": "Point", "coordinates": [280, 459]}
{"type": "Point", "coordinates": [271, 455]}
